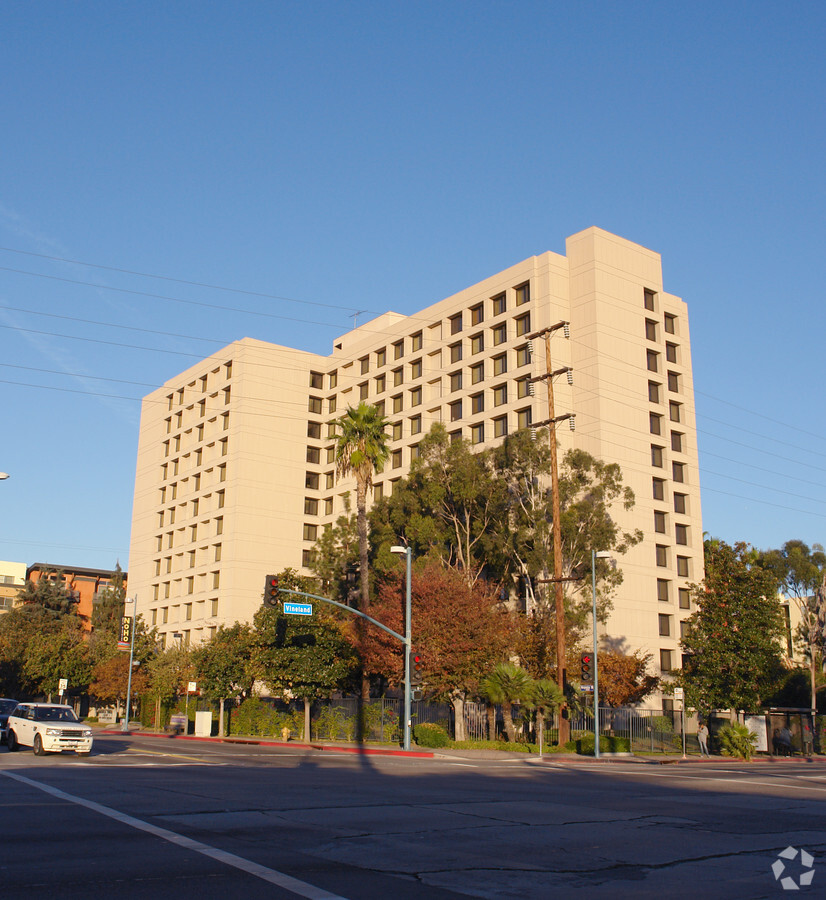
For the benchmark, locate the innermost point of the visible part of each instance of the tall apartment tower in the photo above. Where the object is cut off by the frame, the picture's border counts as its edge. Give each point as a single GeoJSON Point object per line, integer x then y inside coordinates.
{"type": "Point", "coordinates": [235, 470]}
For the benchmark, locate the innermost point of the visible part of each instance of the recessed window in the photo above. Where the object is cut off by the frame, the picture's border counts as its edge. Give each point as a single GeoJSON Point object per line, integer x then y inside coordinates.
{"type": "Point", "coordinates": [477, 314]}
{"type": "Point", "coordinates": [655, 423]}
{"type": "Point", "coordinates": [678, 472]}
{"type": "Point", "coordinates": [682, 566]}
{"type": "Point", "coordinates": [416, 342]}
{"type": "Point", "coordinates": [396, 431]}
{"type": "Point", "coordinates": [523, 294]}
{"type": "Point", "coordinates": [311, 481]}
{"type": "Point", "coordinates": [661, 554]}
{"type": "Point", "coordinates": [310, 506]}
{"type": "Point", "coordinates": [500, 334]}
{"type": "Point", "coordinates": [665, 660]}
{"type": "Point", "coordinates": [455, 437]}
{"type": "Point", "coordinates": [657, 456]}
{"type": "Point", "coordinates": [499, 304]}
{"type": "Point", "coordinates": [685, 598]}
{"type": "Point", "coordinates": [681, 534]}
{"type": "Point", "coordinates": [663, 592]}
{"type": "Point", "coordinates": [670, 323]}
{"type": "Point", "coordinates": [313, 455]}
{"type": "Point", "coordinates": [415, 452]}
{"type": "Point", "coordinates": [524, 417]}
{"type": "Point", "coordinates": [362, 392]}
{"type": "Point", "coordinates": [500, 394]}
{"type": "Point", "coordinates": [477, 343]}
{"type": "Point", "coordinates": [415, 369]}
{"type": "Point", "coordinates": [455, 410]}
{"type": "Point", "coordinates": [477, 373]}
{"type": "Point", "coordinates": [333, 379]}
{"type": "Point", "coordinates": [652, 360]}
{"type": "Point", "coordinates": [416, 396]}
{"type": "Point", "coordinates": [681, 503]}
{"type": "Point", "coordinates": [381, 357]}
{"type": "Point", "coordinates": [653, 392]}
{"type": "Point", "coordinates": [648, 299]}
{"type": "Point", "coordinates": [456, 381]}
{"type": "Point", "coordinates": [381, 384]}
{"type": "Point", "coordinates": [315, 405]}
{"type": "Point", "coordinates": [650, 330]}
{"type": "Point", "coordinates": [674, 382]}
{"type": "Point", "coordinates": [658, 485]}
{"type": "Point", "coordinates": [456, 323]}
{"type": "Point", "coordinates": [675, 411]}
{"type": "Point", "coordinates": [665, 625]}
{"type": "Point", "coordinates": [307, 558]}
{"type": "Point", "coordinates": [477, 403]}
{"type": "Point", "coordinates": [398, 350]}
{"type": "Point", "coordinates": [365, 364]}
{"type": "Point", "coordinates": [677, 441]}
{"type": "Point", "coordinates": [523, 356]}
{"type": "Point", "coordinates": [523, 325]}
{"type": "Point", "coordinates": [416, 425]}
{"type": "Point", "coordinates": [659, 522]}
{"type": "Point", "coordinates": [396, 459]}
{"type": "Point", "coordinates": [310, 532]}
{"type": "Point", "coordinates": [398, 403]}
{"type": "Point", "coordinates": [523, 387]}
{"type": "Point", "coordinates": [455, 352]}
{"type": "Point", "coordinates": [477, 433]}
{"type": "Point", "coordinates": [671, 352]}
{"type": "Point", "coordinates": [500, 426]}
{"type": "Point", "coordinates": [500, 364]}
{"type": "Point", "coordinates": [329, 480]}
{"type": "Point", "coordinates": [398, 376]}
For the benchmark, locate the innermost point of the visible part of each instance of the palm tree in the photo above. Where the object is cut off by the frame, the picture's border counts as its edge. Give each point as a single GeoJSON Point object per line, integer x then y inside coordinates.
{"type": "Point", "coordinates": [506, 685]}
{"type": "Point", "coordinates": [546, 696]}
{"type": "Point", "coordinates": [361, 450]}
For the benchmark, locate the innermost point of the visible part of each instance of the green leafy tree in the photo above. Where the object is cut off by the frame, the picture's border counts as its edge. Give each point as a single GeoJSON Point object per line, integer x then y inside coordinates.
{"type": "Point", "coordinates": [168, 673]}
{"type": "Point", "coordinates": [732, 651]}
{"type": "Point", "coordinates": [106, 618]}
{"type": "Point", "coordinates": [225, 666]}
{"type": "Point", "coordinates": [361, 450]}
{"type": "Point", "coordinates": [336, 552]}
{"type": "Point", "coordinates": [58, 652]}
{"type": "Point", "coordinates": [801, 571]}
{"type": "Point", "coordinates": [447, 506]}
{"type": "Point", "coordinates": [303, 657]}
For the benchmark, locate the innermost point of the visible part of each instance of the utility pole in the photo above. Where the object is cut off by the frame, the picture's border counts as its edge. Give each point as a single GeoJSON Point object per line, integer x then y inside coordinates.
{"type": "Point", "coordinates": [557, 580]}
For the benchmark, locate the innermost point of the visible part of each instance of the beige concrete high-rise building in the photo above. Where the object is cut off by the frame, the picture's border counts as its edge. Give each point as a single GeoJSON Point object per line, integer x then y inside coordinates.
{"type": "Point", "coordinates": [235, 471]}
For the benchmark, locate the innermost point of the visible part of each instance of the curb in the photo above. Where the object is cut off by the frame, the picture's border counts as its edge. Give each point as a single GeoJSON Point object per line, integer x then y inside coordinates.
{"type": "Point", "coordinates": [359, 750]}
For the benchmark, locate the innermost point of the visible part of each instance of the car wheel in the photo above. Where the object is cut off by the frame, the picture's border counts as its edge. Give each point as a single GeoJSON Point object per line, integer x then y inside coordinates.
{"type": "Point", "coordinates": [11, 741]}
{"type": "Point", "coordinates": [38, 746]}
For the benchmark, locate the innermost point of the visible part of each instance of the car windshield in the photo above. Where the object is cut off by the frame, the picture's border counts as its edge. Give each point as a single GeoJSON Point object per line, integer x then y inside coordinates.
{"type": "Point", "coordinates": [6, 706]}
{"type": "Point", "coordinates": [55, 714]}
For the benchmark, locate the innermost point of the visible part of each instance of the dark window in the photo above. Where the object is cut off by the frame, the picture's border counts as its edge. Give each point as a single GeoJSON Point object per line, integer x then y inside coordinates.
{"type": "Point", "coordinates": [652, 360]}
{"type": "Point", "coordinates": [682, 566]}
{"type": "Point", "coordinates": [659, 522]}
{"type": "Point", "coordinates": [653, 392]}
{"type": "Point", "coordinates": [665, 625]}
{"type": "Point", "coordinates": [677, 441]}
{"type": "Point", "coordinates": [656, 456]}
{"type": "Point", "coordinates": [685, 598]}
{"type": "Point", "coordinates": [477, 314]}
{"type": "Point", "coordinates": [662, 555]}
{"type": "Point", "coordinates": [648, 299]}
{"type": "Point", "coordinates": [655, 423]}
{"type": "Point", "coordinates": [669, 323]}
{"type": "Point", "coordinates": [650, 330]}
{"type": "Point", "coordinates": [681, 534]}
{"type": "Point", "coordinates": [523, 294]}
{"type": "Point", "coordinates": [499, 304]}
{"type": "Point", "coordinates": [671, 352]}
{"type": "Point", "coordinates": [680, 503]}
{"type": "Point", "coordinates": [658, 485]}
{"type": "Point", "coordinates": [662, 590]}
{"type": "Point", "coordinates": [456, 323]}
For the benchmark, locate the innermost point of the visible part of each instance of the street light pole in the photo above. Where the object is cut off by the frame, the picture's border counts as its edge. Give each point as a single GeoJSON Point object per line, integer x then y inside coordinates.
{"type": "Point", "coordinates": [125, 724]}
{"type": "Point", "coordinates": [408, 553]}
{"type": "Point", "coordinates": [595, 555]}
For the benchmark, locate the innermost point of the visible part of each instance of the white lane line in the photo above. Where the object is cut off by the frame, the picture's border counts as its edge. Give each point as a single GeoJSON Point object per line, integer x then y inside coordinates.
{"type": "Point", "coordinates": [300, 888]}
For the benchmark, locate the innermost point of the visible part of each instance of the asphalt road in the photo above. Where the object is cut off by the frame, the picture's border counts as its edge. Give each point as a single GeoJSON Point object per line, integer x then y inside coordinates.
{"type": "Point", "coordinates": [147, 817]}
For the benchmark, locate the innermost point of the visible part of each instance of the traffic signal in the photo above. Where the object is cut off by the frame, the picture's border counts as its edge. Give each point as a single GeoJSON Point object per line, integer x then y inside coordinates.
{"type": "Point", "coordinates": [271, 591]}
{"type": "Point", "coordinates": [586, 672]}
{"type": "Point", "coordinates": [416, 669]}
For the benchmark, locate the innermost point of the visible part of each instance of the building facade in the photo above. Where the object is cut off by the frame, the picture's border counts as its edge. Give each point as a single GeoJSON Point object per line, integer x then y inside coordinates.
{"type": "Point", "coordinates": [235, 469]}
{"type": "Point", "coordinates": [84, 584]}
{"type": "Point", "coordinates": [12, 580]}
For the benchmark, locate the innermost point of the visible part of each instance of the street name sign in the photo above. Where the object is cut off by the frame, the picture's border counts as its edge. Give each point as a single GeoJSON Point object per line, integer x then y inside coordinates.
{"type": "Point", "coordinates": [298, 609]}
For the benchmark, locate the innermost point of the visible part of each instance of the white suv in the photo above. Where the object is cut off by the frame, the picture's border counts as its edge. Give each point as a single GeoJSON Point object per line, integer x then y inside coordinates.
{"type": "Point", "coordinates": [48, 728]}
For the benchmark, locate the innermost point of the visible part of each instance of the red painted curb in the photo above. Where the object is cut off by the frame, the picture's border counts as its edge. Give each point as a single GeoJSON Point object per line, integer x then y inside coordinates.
{"type": "Point", "coordinates": [362, 751]}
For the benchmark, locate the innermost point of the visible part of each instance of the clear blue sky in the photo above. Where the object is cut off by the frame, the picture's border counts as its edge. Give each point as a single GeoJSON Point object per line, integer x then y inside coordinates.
{"type": "Point", "coordinates": [372, 156]}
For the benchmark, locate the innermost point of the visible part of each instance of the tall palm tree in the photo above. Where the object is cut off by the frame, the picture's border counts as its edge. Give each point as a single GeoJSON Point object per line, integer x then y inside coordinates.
{"type": "Point", "coordinates": [361, 450]}
{"type": "Point", "coordinates": [507, 684]}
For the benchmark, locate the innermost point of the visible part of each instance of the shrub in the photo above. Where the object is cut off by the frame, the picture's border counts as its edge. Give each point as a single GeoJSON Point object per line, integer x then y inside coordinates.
{"type": "Point", "coordinates": [430, 735]}
{"type": "Point", "coordinates": [661, 724]}
{"type": "Point", "coordinates": [585, 745]}
{"type": "Point", "coordinates": [737, 740]}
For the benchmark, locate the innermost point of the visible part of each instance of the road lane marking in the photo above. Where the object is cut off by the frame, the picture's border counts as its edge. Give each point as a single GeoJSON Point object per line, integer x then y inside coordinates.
{"type": "Point", "coordinates": [796, 787]}
{"type": "Point", "coordinates": [294, 885]}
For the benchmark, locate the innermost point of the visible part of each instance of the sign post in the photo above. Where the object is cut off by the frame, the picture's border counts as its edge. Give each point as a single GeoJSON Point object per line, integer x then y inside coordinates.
{"type": "Point", "coordinates": [62, 687]}
{"type": "Point", "coordinates": [130, 624]}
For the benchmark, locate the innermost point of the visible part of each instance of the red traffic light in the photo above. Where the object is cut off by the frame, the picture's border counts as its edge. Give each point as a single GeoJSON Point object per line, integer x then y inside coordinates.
{"type": "Point", "coordinates": [271, 591]}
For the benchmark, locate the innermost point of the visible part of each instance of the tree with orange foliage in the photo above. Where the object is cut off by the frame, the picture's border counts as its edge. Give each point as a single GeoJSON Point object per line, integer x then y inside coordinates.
{"type": "Point", "coordinates": [109, 680]}
{"type": "Point", "coordinates": [461, 632]}
{"type": "Point", "coordinates": [624, 678]}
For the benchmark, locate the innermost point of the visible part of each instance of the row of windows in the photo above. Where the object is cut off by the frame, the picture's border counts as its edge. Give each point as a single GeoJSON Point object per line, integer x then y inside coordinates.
{"type": "Point", "coordinates": [191, 584]}
{"type": "Point", "coordinates": [666, 626]}
{"type": "Point", "coordinates": [200, 385]}
{"type": "Point", "coordinates": [662, 554]}
{"type": "Point", "coordinates": [161, 616]}
{"type": "Point", "coordinates": [195, 530]}
{"type": "Point", "coordinates": [189, 560]}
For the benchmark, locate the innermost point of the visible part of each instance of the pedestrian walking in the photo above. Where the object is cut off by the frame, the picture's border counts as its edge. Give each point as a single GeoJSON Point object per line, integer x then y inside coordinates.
{"type": "Point", "coordinates": [808, 738]}
{"type": "Point", "coordinates": [702, 738]}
